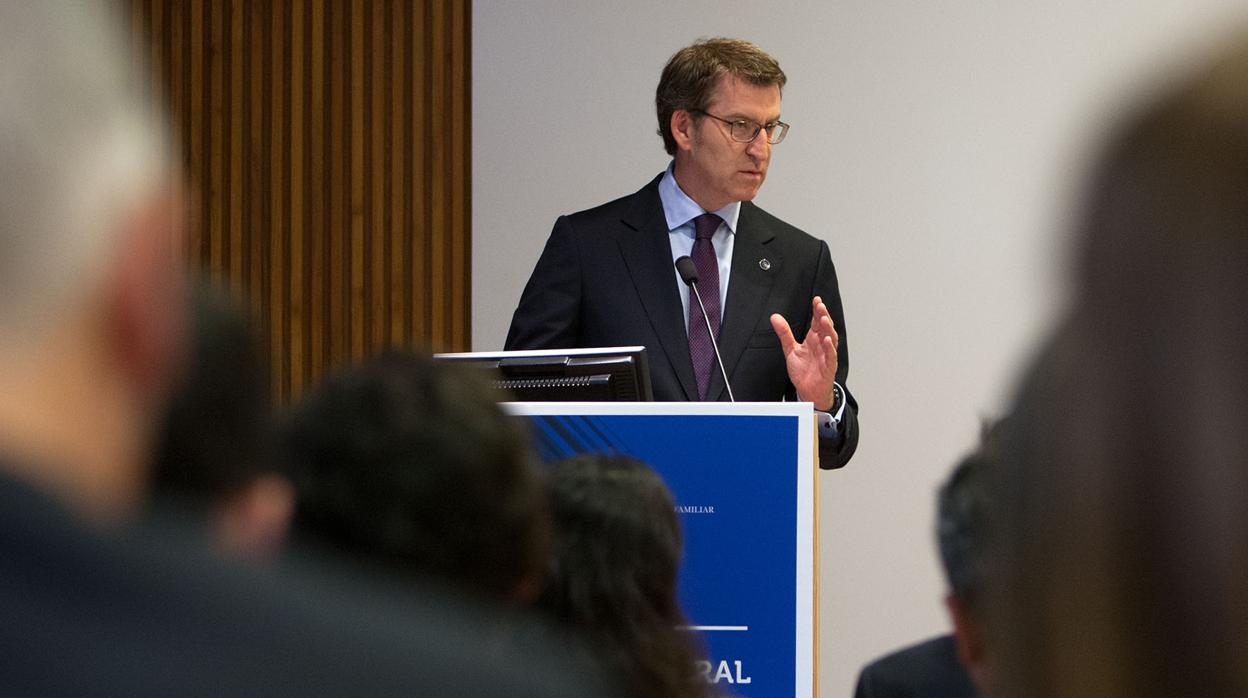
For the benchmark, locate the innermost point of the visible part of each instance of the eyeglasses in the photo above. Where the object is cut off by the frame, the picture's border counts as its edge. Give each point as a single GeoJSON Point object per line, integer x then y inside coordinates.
{"type": "Point", "coordinates": [745, 131]}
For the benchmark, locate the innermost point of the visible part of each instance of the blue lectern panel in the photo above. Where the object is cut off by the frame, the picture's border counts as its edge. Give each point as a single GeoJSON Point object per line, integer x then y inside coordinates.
{"type": "Point", "coordinates": [737, 483]}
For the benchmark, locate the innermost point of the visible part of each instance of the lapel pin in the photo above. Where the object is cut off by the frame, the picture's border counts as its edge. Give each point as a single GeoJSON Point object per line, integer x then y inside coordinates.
{"type": "Point", "coordinates": [764, 264]}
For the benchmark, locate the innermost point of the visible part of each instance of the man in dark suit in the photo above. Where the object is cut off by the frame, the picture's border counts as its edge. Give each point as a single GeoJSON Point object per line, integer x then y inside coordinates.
{"type": "Point", "coordinates": [90, 335]}
{"type": "Point", "coordinates": [949, 666]}
{"type": "Point", "coordinates": [607, 275]}
{"type": "Point", "coordinates": [929, 669]}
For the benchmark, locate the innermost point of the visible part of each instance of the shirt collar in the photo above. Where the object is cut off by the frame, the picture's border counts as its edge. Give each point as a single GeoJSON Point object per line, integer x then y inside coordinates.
{"type": "Point", "coordinates": [679, 209]}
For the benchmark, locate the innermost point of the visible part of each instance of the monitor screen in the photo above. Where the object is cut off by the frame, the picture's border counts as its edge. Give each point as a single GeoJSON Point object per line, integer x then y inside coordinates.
{"type": "Point", "coordinates": [603, 374]}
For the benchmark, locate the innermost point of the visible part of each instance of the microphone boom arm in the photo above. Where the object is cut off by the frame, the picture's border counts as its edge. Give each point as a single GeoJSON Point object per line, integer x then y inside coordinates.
{"type": "Point", "coordinates": [689, 274]}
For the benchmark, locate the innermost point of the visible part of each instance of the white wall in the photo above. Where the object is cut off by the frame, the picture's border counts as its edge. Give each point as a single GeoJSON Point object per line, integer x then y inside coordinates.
{"type": "Point", "coordinates": [935, 146]}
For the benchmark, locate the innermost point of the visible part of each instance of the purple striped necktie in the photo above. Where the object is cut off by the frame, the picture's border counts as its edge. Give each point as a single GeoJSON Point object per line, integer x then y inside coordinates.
{"type": "Point", "coordinates": [700, 349]}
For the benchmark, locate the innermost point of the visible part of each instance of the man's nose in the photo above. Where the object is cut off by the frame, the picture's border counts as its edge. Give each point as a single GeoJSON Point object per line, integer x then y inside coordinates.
{"type": "Point", "coordinates": [760, 147]}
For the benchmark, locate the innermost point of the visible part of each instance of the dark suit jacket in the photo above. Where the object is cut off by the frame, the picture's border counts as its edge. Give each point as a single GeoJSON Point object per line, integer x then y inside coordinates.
{"type": "Point", "coordinates": [88, 613]}
{"type": "Point", "coordinates": [927, 670]}
{"type": "Point", "coordinates": [606, 278]}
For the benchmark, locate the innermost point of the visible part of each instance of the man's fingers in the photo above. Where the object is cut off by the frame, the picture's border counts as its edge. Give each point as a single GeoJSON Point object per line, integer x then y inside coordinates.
{"type": "Point", "coordinates": [829, 331]}
{"type": "Point", "coordinates": [821, 328]}
{"type": "Point", "coordinates": [782, 330]}
{"type": "Point", "coordinates": [818, 313]}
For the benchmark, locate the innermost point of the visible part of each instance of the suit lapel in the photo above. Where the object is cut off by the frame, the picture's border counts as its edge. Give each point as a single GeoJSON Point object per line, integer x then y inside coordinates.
{"type": "Point", "coordinates": [648, 254]}
{"type": "Point", "coordinates": [748, 288]}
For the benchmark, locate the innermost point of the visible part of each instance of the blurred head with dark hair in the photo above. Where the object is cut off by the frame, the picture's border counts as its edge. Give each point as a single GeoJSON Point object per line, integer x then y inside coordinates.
{"type": "Point", "coordinates": [953, 665]}
{"type": "Point", "coordinates": [411, 466]}
{"type": "Point", "coordinates": [214, 451]}
{"type": "Point", "coordinates": [961, 518]}
{"type": "Point", "coordinates": [1121, 521]}
{"type": "Point", "coordinates": [612, 574]}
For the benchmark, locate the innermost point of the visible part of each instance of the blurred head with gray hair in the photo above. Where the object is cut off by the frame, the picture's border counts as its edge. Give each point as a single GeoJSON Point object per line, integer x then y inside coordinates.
{"type": "Point", "coordinates": [78, 152]}
{"type": "Point", "coordinates": [90, 280]}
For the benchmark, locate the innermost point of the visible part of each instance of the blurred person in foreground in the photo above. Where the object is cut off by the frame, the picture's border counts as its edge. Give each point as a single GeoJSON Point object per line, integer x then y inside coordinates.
{"type": "Point", "coordinates": [90, 333]}
{"type": "Point", "coordinates": [1123, 542]}
{"type": "Point", "coordinates": [948, 666]}
{"type": "Point", "coordinates": [612, 573]}
{"type": "Point", "coordinates": [214, 458]}
{"type": "Point", "coordinates": [410, 467]}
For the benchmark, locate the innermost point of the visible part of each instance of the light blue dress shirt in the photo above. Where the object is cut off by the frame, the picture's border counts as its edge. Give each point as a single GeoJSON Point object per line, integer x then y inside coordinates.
{"type": "Point", "coordinates": [680, 211]}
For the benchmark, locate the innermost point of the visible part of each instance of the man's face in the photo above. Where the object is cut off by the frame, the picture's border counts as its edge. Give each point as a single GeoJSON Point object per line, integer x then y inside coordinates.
{"type": "Point", "coordinates": [712, 168]}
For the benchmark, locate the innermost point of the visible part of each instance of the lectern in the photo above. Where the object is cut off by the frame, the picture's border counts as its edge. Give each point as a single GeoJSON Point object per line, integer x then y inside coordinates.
{"type": "Point", "coordinates": [743, 476]}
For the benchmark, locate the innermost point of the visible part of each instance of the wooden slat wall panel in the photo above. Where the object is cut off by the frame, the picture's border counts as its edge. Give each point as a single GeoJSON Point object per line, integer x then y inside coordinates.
{"type": "Point", "coordinates": [327, 148]}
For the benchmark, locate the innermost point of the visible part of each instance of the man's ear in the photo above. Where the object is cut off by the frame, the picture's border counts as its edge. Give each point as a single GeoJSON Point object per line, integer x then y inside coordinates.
{"type": "Point", "coordinates": [145, 307]}
{"type": "Point", "coordinates": [683, 125]}
{"type": "Point", "coordinates": [253, 523]}
{"type": "Point", "coordinates": [969, 639]}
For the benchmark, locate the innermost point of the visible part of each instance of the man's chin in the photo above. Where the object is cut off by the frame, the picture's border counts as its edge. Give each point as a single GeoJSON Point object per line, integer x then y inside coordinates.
{"type": "Point", "coordinates": [748, 194]}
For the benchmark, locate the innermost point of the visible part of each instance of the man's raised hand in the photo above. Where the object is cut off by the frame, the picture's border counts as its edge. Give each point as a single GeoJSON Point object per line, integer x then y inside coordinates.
{"type": "Point", "coordinates": [812, 362]}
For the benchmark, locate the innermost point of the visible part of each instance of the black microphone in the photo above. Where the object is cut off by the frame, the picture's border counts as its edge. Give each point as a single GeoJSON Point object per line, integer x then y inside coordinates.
{"type": "Point", "coordinates": [689, 274]}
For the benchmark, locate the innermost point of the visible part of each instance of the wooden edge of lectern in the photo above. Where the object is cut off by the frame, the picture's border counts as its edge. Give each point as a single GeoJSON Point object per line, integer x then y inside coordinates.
{"type": "Point", "coordinates": [815, 557]}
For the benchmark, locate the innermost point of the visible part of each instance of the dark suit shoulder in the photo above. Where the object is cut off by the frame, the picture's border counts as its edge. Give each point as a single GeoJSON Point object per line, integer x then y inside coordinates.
{"type": "Point", "coordinates": [633, 208]}
{"type": "Point", "coordinates": [754, 216]}
{"type": "Point", "coordinates": [149, 612]}
{"type": "Point", "coordinates": [929, 668]}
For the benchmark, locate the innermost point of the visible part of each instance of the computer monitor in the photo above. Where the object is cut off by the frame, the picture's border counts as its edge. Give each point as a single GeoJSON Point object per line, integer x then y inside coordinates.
{"type": "Point", "coordinates": [602, 374]}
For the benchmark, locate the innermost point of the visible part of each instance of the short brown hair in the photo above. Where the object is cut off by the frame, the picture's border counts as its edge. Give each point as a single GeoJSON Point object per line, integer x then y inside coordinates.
{"type": "Point", "coordinates": [692, 72]}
